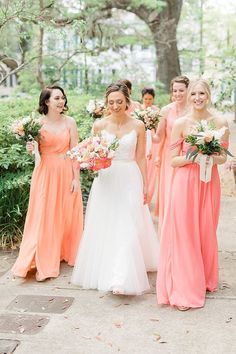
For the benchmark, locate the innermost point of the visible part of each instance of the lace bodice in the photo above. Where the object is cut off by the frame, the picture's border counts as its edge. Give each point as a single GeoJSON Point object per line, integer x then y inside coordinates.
{"type": "Point", "coordinates": [127, 145]}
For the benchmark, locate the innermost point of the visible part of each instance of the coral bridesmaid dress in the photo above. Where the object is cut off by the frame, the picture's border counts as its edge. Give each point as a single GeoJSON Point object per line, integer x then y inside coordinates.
{"type": "Point", "coordinates": [188, 264]}
{"type": "Point", "coordinates": [151, 164]}
{"type": "Point", "coordinates": [165, 173]}
{"type": "Point", "coordinates": [54, 219]}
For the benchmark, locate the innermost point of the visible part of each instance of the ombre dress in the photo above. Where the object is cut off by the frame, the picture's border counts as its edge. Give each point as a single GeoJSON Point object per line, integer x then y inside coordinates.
{"type": "Point", "coordinates": [165, 170]}
{"type": "Point", "coordinates": [54, 220]}
{"type": "Point", "coordinates": [188, 264]}
{"type": "Point", "coordinates": [119, 243]}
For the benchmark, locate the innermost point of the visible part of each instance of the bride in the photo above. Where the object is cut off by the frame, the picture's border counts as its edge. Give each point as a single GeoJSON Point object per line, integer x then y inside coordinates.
{"type": "Point", "coordinates": [119, 243]}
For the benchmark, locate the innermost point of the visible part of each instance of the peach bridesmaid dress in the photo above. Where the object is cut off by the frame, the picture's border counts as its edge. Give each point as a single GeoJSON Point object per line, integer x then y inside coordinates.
{"type": "Point", "coordinates": [165, 171]}
{"type": "Point", "coordinates": [188, 263]}
{"type": "Point", "coordinates": [54, 220]}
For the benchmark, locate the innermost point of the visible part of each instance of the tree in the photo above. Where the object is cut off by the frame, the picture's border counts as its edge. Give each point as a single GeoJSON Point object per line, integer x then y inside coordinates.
{"type": "Point", "coordinates": [162, 18]}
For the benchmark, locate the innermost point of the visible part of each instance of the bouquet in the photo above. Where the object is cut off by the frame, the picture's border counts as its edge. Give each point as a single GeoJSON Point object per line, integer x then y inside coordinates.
{"type": "Point", "coordinates": [149, 116]}
{"type": "Point", "coordinates": [96, 108]}
{"type": "Point", "coordinates": [27, 129]}
{"type": "Point", "coordinates": [94, 153]}
{"type": "Point", "coordinates": [205, 141]}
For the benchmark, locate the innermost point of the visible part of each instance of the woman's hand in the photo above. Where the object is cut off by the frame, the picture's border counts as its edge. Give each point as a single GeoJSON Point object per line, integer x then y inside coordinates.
{"type": "Point", "coordinates": [158, 162]}
{"type": "Point", "coordinates": [75, 185]}
{"type": "Point", "coordinates": [32, 146]}
{"type": "Point", "coordinates": [149, 156]}
{"type": "Point", "coordinates": [145, 195]}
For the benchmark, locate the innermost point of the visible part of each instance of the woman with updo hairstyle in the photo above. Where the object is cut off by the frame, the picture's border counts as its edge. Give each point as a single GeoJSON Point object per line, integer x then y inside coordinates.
{"type": "Point", "coordinates": [119, 244]}
{"type": "Point", "coordinates": [169, 113]}
{"type": "Point", "coordinates": [188, 265]}
{"type": "Point", "coordinates": [133, 104]}
{"type": "Point", "coordinates": [54, 220]}
{"type": "Point", "coordinates": [148, 96]}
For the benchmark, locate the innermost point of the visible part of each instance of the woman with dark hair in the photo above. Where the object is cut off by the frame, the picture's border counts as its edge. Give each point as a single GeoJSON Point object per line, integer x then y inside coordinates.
{"type": "Point", "coordinates": [148, 96]}
{"type": "Point", "coordinates": [54, 219]}
{"type": "Point", "coordinates": [170, 113]}
{"type": "Point", "coordinates": [119, 243]}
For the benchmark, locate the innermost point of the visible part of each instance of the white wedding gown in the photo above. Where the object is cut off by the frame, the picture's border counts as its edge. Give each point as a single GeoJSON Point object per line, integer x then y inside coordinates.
{"type": "Point", "coordinates": [119, 243]}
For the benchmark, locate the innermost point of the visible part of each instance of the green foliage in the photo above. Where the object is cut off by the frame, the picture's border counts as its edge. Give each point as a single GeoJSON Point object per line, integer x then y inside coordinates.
{"type": "Point", "coordinates": [15, 171]}
{"type": "Point", "coordinates": [149, 4]}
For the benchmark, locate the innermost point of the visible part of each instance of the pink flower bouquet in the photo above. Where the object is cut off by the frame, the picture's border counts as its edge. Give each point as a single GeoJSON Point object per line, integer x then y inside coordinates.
{"type": "Point", "coordinates": [26, 128]}
{"type": "Point", "coordinates": [94, 153]}
{"type": "Point", "coordinates": [149, 116]}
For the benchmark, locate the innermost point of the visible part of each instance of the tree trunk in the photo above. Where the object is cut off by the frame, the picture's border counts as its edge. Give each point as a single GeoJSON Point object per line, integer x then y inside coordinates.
{"type": "Point", "coordinates": [163, 25]}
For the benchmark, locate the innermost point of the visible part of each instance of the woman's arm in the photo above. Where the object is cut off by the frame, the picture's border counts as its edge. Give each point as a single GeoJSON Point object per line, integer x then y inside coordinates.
{"type": "Point", "coordinates": [141, 156]}
{"type": "Point", "coordinates": [177, 133]}
{"type": "Point", "coordinates": [74, 137]}
{"type": "Point", "coordinates": [221, 159]}
{"type": "Point", "coordinates": [161, 128]}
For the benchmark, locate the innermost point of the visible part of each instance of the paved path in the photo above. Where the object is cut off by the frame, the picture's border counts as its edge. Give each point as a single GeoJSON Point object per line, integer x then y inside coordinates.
{"type": "Point", "coordinates": [65, 320]}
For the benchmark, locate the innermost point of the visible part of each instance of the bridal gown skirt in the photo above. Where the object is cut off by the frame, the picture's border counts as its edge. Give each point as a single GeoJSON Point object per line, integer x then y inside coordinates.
{"type": "Point", "coordinates": [119, 243]}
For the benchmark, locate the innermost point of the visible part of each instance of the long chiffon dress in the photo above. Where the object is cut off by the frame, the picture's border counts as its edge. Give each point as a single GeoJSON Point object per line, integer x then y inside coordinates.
{"type": "Point", "coordinates": [119, 243]}
{"type": "Point", "coordinates": [54, 220]}
{"type": "Point", "coordinates": [188, 264]}
{"type": "Point", "coordinates": [165, 171]}
{"type": "Point", "coordinates": [151, 163]}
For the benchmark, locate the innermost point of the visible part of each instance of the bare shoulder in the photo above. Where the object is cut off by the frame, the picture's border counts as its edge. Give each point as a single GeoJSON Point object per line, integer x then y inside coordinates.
{"type": "Point", "coordinates": [181, 122]}
{"type": "Point", "coordinates": [220, 121]}
{"type": "Point", "coordinates": [100, 124]}
{"type": "Point", "coordinates": [137, 124]}
{"type": "Point", "coordinates": [70, 121]}
{"type": "Point", "coordinates": [165, 110]}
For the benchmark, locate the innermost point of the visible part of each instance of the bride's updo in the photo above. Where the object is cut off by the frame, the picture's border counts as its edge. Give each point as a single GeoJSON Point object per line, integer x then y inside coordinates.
{"type": "Point", "coordinates": [115, 87]}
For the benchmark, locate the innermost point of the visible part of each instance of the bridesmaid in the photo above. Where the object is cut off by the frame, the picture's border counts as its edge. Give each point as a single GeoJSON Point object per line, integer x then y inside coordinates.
{"type": "Point", "coordinates": [133, 104]}
{"type": "Point", "coordinates": [170, 113]}
{"type": "Point", "coordinates": [54, 219]}
{"type": "Point", "coordinates": [188, 265]}
{"type": "Point", "coordinates": [148, 96]}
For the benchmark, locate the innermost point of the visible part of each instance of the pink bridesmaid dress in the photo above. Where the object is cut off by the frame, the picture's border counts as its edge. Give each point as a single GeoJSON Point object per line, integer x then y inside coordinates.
{"type": "Point", "coordinates": [133, 105]}
{"type": "Point", "coordinates": [151, 164]}
{"type": "Point", "coordinates": [165, 171]}
{"type": "Point", "coordinates": [188, 263]}
{"type": "Point", "coordinates": [54, 220]}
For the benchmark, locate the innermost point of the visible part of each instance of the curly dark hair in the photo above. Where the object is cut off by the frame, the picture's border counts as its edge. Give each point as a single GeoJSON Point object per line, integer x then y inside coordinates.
{"type": "Point", "coordinates": [148, 90]}
{"type": "Point", "coordinates": [118, 86]}
{"type": "Point", "coordinates": [44, 97]}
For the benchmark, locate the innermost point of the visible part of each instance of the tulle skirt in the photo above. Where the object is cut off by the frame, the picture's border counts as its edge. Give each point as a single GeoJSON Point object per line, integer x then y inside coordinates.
{"type": "Point", "coordinates": [119, 244]}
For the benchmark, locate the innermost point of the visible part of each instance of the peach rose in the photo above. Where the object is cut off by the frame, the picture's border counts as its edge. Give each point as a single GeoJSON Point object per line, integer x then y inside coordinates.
{"type": "Point", "coordinates": [208, 138]}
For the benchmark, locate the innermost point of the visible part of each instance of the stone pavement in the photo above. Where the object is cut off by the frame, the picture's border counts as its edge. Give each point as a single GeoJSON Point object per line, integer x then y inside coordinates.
{"type": "Point", "coordinates": [55, 317]}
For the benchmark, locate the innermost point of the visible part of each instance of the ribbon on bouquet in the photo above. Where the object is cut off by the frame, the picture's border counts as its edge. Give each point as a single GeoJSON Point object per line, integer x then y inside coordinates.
{"type": "Point", "coordinates": [206, 163]}
{"type": "Point", "coordinates": [148, 142]}
{"type": "Point", "coordinates": [35, 152]}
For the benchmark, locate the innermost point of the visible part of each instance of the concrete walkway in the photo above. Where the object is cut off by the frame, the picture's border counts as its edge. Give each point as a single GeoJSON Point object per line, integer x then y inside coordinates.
{"type": "Point", "coordinates": [54, 317]}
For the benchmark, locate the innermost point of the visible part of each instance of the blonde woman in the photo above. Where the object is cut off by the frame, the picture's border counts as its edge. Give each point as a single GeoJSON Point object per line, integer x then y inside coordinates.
{"type": "Point", "coordinates": [188, 265]}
